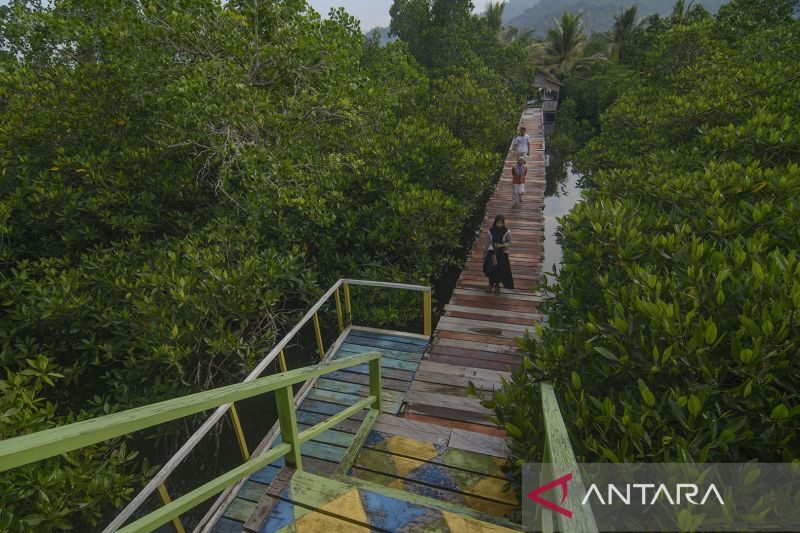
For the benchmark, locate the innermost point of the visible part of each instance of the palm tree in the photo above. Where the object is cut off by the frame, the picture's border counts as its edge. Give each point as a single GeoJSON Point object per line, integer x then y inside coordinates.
{"type": "Point", "coordinates": [624, 26]}
{"type": "Point", "coordinates": [494, 16]}
{"type": "Point", "coordinates": [680, 10]}
{"type": "Point", "coordinates": [564, 45]}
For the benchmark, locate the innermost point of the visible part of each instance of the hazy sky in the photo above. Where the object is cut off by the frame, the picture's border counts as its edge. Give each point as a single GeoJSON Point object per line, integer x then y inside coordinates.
{"type": "Point", "coordinates": [371, 12]}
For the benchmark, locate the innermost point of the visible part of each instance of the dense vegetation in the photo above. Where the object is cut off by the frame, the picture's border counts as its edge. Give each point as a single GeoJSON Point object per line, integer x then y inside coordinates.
{"type": "Point", "coordinates": [180, 179]}
{"type": "Point", "coordinates": [673, 333]}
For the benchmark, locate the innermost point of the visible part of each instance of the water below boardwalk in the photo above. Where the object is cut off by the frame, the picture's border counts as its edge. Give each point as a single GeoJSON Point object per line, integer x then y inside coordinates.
{"type": "Point", "coordinates": [561, 195]}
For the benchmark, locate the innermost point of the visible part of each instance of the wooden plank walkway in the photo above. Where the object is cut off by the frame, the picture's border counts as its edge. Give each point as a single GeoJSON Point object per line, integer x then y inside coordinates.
{"type": "Point", "coordinates": [433, 460]}
{"type": "Point", "coordinates": [475, 338]}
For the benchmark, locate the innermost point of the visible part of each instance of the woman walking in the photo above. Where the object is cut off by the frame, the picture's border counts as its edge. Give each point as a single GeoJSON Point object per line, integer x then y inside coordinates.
{"type": "Point", "coordinates": [495, 262]}
{"type": "Point", "coordinates": [518, 173]}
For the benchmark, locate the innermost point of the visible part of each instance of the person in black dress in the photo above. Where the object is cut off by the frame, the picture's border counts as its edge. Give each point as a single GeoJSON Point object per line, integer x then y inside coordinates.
{"type": "Point", "coordinates": [496, 265]}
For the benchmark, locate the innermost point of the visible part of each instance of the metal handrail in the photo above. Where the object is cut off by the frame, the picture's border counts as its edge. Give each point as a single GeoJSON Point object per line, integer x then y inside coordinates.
{"type": "Point", "coordinates": [156, 483]}
{"type": "Point", "coordinates": [34, 447]}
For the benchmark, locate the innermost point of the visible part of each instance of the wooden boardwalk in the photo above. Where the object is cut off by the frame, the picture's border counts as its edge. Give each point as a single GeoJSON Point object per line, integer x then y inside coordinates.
{"type": "Point", "coordinates": [475, 337]}
{"type": "Point", "coordinates": [432, 461]}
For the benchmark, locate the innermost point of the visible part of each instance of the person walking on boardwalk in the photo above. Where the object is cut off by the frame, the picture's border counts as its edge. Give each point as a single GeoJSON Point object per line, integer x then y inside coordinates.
{"type": "Point", "coordinates": [518, 173]}
{"type": "Point", "coordinates": [521, 144]}
{"type": "Point", "coordinates": [496, 265]}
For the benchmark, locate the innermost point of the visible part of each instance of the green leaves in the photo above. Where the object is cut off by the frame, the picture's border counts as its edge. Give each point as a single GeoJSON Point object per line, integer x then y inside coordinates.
{"type": "Point", "coordinates": [677, 300]}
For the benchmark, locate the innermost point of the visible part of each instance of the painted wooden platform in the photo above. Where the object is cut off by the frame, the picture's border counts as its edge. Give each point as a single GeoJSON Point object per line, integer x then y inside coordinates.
{"type": "Point", "coordinates": [436, 470]}
{"type": "Point", "coordinates": [312, 504]}
{"type": "Point", "coordinates": [475, 337]}
{"type": "Point", "coordinates": [401, 354]}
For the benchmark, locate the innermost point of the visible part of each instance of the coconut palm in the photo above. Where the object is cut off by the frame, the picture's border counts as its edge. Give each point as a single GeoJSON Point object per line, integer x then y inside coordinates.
{"type": "Point", "coordinates": [680, 10]}
{"type": "Point", "coordinates": [562, 50]}
{"type": "Point", "coordinates": [494, 16]}
{"type": "Point", "coordinates": [624, 27]}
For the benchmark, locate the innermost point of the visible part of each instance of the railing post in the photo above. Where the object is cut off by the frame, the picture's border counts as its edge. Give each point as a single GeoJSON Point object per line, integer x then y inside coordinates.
{"type": "Point", "coordinates": [339, 311]}
{"type": "Point", "coordinates": [288, 424]}
{"type": "Point", "coordinates": [375, 383]}
{"type": "Point", "coordinates": [427, 312]}
{"type": "Point", "coordinates": [282, 362]}
{"type": "Point", "coordinates": [237, 428]}
{"type": "Point", "coordinates": [318, 334]}
{"type": "Point", "coordinates": [165, 499]}
{"type": "Point", "coordinates": [347, 306]}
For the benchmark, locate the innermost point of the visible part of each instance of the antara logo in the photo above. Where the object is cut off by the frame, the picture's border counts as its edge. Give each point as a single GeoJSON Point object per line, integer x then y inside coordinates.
{"type": "Point", "coordinates": [683, 492]}
{"type": "Point", "coordinates": [560, 482]}
{"type": "Point", "coordinates": [686, 490]}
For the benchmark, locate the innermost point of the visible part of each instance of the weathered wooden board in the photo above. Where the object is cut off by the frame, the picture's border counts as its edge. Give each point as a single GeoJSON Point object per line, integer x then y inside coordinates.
{"type": "Point", "coordinates": [385, 352]}
{"type": "Point", "coordinates": [478, 443]}
{"type": "Point", "coordinates": [403, 427]}
{"type": "Point", "coordinates": [240, 510]}
{"type": "Point", "coordinates": [478, 364]}
{"type": "Point", "coordinates": [462, 371]}
{"type": "Point", "coordinates": [395, 336]}
{"type": "Point", "coordinates": [226, 525]}
{"type": "Point", "coordinates": [363, 379]}
{"type": "Point", "coordinates": [439, 405]}
{"type": "Point", "coordinates": [450, 423]}
{"type": "Point", "coordinates": [386, 372]}
{"type": "Point", "coordinates": [456, 381]}
{"type": "Point", "coordinates": [481, 324]}
{"type": "Point", "coordinates": [444, 454]}
{"type": "Point", "coordinates": [268, 501]}
{"type": "Point", "coordinates": [480, 347]}
{"type": "Point", "coordinates": [311, 504]}
{"type": "Point", "coordinates": [490, 507]}
{"type": "Point", "coordinates": [437, 474]}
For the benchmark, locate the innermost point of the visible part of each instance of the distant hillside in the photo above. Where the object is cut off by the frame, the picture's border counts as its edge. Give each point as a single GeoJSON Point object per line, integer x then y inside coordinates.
{"type": "Point", "coordinates": [383, 34]}
{"type": "Point", "coordinates": [515, 8]}
{"type": "Point", "coordinates": [598, 14]}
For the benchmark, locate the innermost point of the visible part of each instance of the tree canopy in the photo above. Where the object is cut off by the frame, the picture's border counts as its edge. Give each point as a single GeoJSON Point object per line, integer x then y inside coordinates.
{"type": "Point", "coordinates": [179, 181]}
{"type": "Point", "coordinates": [673, 332]}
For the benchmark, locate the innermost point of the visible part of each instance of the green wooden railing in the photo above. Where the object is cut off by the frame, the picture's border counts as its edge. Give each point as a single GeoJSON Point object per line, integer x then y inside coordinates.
{"type": "Point", "coordinates": [558, 460]}
{"type": "Point", "coordinates": [344, 317]}
{"type": "Point", "coordinates": [44, 444]}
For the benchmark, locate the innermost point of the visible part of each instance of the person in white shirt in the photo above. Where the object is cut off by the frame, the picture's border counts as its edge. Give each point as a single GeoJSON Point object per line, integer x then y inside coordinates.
{"type": "Point", "coordinates": [521, 144]}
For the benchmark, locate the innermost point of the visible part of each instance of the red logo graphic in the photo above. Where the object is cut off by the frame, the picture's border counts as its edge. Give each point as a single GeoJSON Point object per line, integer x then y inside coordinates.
{"type": "Point", "coordinates": [562, 481]}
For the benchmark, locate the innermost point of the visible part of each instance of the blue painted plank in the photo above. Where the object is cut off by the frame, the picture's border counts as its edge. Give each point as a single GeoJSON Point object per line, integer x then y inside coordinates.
{"type": "Point", "coordinates": [363, 379]}
{"type": "Point", "coordinates": [337, 438]}
{"type": "Point", "coordinates": [362, 391]}
{"type": "Point", "coordinates": [281, 516]}
{"type": "Point", "coordinates": [388, 362]}
{"type": "Point", "coordinates": [327, 408]}
{"type": "Point", "coordinates": [268, 473]}
{"type": "Point", "coordinates": [309, 419]}
{"type": "Point", "coordinates": [392, 514]}
{"type": "Point", "coordinates": [386, 373]}
{"type": "Point", "coordinates": [386, 353]}
{"type": "Point", "coordinates": [347, 399]}
{"type": "Point", "coordinates": [320, 450]}
{"type": "Point", "coordinates": [226, 525]}
{"type": "Point", "coordinates": [388, 336]}
{"type": "Point", "coordinates": [391, 345]}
